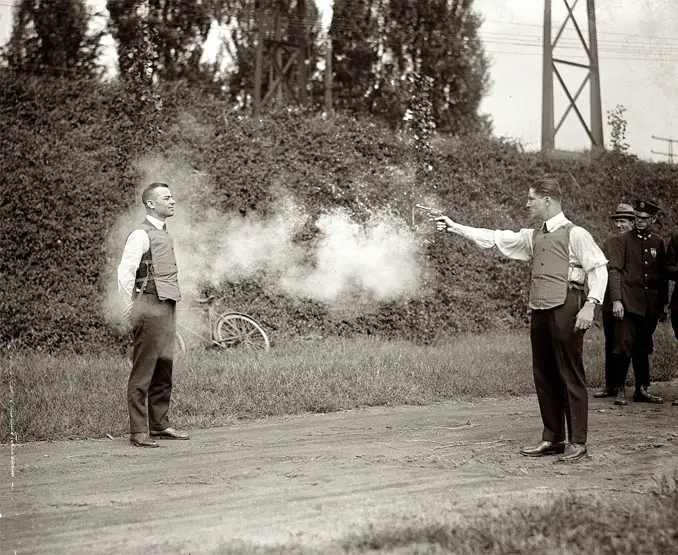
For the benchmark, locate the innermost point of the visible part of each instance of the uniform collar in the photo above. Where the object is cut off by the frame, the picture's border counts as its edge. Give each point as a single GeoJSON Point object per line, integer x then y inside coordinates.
{"type": "Point", "coordinates": [155, 221]}
{"type": "Point", "coordinates": [643, 235]}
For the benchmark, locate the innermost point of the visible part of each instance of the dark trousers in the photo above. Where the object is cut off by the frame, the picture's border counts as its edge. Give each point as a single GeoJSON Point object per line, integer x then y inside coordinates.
{"type": "Point", "coordinates": [633, 341]}
{"type": "Point", "coordinates": [558, 367]}
{"type": "Point", "coordinates": [153, 328]}
{"type": "Point", "coordinates": [674, 322]}
{"type": "Point", "coordinates": [608, 330]}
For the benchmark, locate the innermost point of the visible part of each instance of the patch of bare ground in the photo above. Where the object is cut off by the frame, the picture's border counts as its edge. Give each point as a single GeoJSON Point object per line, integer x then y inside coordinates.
{"type": "Point", "coordinates": [313, 480]}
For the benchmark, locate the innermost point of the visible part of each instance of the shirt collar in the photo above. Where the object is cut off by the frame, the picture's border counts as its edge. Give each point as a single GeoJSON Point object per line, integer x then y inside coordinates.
{"type": "Point", "coordinates": [559, 220]}
{"type": "Point", "coordinates": [155, 221]}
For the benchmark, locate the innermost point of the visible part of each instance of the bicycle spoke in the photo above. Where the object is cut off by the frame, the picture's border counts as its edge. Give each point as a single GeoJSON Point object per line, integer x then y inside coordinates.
{"type": "Point", "coordinates": [240, 331]}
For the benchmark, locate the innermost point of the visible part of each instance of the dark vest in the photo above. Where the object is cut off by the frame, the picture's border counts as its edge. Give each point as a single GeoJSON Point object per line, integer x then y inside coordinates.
{"type": "Point", "coordinates": [550, 268]}
{"type": "Point", "coordinates": [157, 272]}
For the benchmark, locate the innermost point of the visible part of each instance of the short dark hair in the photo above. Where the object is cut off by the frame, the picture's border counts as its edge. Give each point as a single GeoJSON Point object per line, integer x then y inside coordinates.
{"type": "Point", "coordinates": [146, 194]}
{"type": "Point", "coordinates": [548, 187]}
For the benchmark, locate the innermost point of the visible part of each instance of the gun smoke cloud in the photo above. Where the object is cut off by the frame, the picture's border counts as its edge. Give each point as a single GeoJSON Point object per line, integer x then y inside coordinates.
{"type": "Point", "coordinates": [347, 262]}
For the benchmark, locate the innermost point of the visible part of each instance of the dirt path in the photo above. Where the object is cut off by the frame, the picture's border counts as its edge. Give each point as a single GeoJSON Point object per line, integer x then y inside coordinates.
{"type": "Point", "coordinates": [314, 479]}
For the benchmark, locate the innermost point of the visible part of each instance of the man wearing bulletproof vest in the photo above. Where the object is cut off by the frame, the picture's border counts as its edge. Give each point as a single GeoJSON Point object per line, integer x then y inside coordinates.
{"type": "Point", "coordinates": [565, 262]}
{"type": "Point", "coordinates": [639, 291]}
{"type": "Point", "coordinates": [149, 288]}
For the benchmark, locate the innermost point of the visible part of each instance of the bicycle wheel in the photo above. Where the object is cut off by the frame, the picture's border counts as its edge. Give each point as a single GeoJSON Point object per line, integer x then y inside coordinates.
{"type": "Point", "coordinates": [239, 331]}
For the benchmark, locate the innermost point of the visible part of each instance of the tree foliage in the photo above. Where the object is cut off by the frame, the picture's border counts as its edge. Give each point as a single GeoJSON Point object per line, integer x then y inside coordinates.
{"type": "Point", "coordinates": [177, 30]}
{"type": "Point", "coordinates": [53, 36]}
{"type": "Point", "coordinates": [617, 123]}
{"type": "Point", "coordinates": [354, 35]}
{"type": "Point", "coordinates": [378, 43]}
{"type": "Point", "coordinates": [294, 18]}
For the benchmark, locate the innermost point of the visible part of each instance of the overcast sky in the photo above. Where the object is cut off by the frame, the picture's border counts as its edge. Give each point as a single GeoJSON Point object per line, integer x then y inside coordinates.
{"type": "Point", "coordinates": [638, 51]}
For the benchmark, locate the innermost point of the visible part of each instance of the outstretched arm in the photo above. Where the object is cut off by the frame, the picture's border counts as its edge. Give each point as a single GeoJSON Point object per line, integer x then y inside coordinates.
{"type": "Point", "coordinates": [516, 245]}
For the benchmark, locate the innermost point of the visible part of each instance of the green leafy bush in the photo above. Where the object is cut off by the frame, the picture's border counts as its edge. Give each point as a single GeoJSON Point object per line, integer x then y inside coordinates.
{"type": "Point", "coordinates": [69, 170]}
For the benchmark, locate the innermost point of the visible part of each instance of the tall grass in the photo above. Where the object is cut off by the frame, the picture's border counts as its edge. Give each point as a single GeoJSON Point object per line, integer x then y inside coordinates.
{"type": "Point", "coordinates": [66, 396]}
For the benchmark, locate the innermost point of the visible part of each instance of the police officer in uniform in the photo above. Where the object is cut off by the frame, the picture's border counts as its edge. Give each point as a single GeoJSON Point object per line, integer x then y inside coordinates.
{"type": "Point", "coordinates": [149, 288]}
{"type": "Point", "coordinates": [624, 220]}
{"type": "Point", "coordinates": [565, 260]}
{"type": "Point", "coordinates": [639, 291]}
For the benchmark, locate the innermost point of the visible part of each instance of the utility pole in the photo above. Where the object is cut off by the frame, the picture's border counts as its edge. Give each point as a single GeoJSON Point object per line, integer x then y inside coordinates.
{"type": "Point", "coordinates": [550, 68]}
{"type": "Point", "coordinates": [328, 77]}
{"type": "Point", "coordinates": [670, 152]}
{"type": "Point", "coordinates": [285, 58]}
{"type": "Point", "coordinates": [259, 60]}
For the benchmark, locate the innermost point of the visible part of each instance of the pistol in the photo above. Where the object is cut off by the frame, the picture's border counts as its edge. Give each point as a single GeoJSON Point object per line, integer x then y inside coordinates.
{"type": "Point", "coordinates": [433, 212]}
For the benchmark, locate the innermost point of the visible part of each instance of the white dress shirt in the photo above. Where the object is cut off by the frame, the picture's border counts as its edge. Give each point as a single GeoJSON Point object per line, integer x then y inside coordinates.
{"type": "Point", "coordinates": [583, 250]}
{"type": "Point", "coordinates": [137, 244]}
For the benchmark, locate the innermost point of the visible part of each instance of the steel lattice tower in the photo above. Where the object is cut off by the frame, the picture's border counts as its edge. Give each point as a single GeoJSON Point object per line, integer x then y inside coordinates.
{"type": "Point", "coordinates": [594, 125]}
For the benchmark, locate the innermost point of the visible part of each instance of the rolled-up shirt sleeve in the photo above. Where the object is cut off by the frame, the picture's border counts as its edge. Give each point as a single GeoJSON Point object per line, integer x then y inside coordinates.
{"type": "Point", "coordinates": [512, 244]}
{"type": "Point", "coordinates": [137, 244]}
{"type": "Point", "coordinates": [592, 260]}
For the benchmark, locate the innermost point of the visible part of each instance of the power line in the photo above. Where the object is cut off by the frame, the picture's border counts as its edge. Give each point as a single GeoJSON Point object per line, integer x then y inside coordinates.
{"type": "Point", "coordinates": [625, 59]}
{"type": "Point", "coordinates": [572, 42]}
{"type": "Point", "coordinates": [670, 154]}
{"type": "Point", "coordinates": [644, 52]}
{"type": "Point", "coordinates": [599, 32]}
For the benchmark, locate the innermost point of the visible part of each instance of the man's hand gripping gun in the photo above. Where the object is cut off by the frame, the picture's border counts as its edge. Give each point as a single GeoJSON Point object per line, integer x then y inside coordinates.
{"type": "Point", "coordinates": [442, 221]}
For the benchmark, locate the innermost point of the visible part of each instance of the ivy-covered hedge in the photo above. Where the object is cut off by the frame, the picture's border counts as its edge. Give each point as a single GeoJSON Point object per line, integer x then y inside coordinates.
{"type": "Point", "coordinates": [68, 172]}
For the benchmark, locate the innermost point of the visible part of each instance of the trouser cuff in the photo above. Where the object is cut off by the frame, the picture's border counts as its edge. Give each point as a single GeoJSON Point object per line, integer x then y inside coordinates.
{"type": "Point", "coordinates": [547, 435]}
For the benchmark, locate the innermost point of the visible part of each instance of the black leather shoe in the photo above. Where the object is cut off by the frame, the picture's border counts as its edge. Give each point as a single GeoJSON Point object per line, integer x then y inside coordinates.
{"type": "Point", "coordinates": [169, 433]}
{"type": "Point", "coordinates": [574, 452]}
{"type": "Point", "coordinates": [142, 440]}
{"type": "Point", "coordinates": [543, 448]}
{"type": "Point", "coordinates": [620, 399]}
{"type": "Point", "coordinates": [604, 393]}
{"type": "Point", "coordinates": [643, 396]}
{"type": "Point", "coordinates": [675, 403]}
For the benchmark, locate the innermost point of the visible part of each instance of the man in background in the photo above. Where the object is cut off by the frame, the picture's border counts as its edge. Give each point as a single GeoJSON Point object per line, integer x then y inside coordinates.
{"type": "Point", "coordinates": [564, 259]}
{"type": "Point", "coordinates": [624, 220]}
{"type": "Point", "coordinates": [149, 288]}
{"type": "Point", "coordinates": [639, 291]}
{"type": "Point", "coordinates": [672, 274]}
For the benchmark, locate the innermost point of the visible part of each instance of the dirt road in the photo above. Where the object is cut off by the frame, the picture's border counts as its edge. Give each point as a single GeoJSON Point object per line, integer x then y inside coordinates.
{"type": "Point", "coordinates": [313, 479]}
